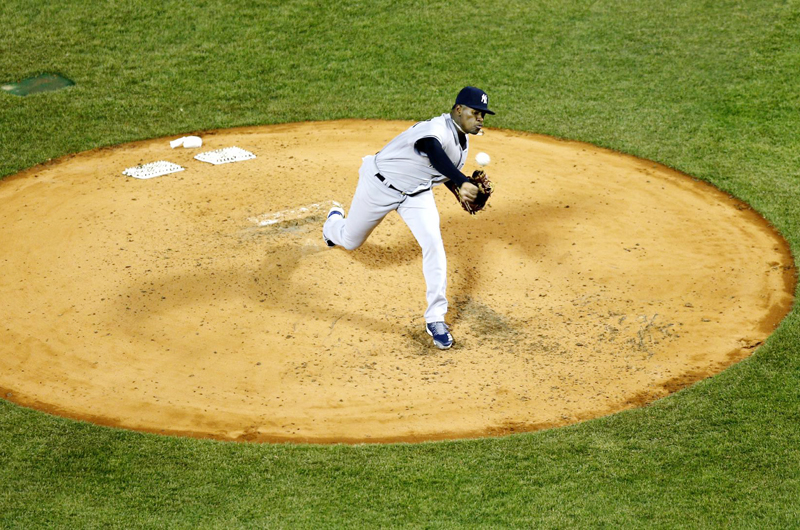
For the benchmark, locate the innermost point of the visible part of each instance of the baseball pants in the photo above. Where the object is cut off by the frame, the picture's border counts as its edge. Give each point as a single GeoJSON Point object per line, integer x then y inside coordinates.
{"type": "Point", "coordinates": [372, 201]}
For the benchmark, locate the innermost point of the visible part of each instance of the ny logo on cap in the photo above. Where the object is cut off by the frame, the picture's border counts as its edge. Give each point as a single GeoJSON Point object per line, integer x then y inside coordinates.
{"type": "Point", "coordinates": [484, 99]}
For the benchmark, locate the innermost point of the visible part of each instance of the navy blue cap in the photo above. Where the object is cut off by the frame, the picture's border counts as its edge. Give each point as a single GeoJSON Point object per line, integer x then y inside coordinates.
{"type": "Point", "coordinates": [474, 98]}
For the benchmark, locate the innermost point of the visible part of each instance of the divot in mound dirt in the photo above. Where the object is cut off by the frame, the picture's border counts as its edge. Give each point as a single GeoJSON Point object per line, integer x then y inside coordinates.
{"type": "Point", "coordinates": [205, 303]}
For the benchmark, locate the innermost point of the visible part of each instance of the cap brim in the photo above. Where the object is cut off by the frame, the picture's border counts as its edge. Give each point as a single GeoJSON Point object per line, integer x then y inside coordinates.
{"type": "Point", "coordinates": [482, 109]}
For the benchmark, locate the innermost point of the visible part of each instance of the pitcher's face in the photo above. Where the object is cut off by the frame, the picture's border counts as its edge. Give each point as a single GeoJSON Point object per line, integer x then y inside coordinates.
{"type": "Point", "coordinates": [469, 119]}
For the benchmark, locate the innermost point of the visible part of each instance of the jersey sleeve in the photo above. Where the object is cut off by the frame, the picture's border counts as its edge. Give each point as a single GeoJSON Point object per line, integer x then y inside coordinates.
{"type": "Point", "coordinates": [429, 129]}
{"type": "Point", "coordinates": [430, 146]}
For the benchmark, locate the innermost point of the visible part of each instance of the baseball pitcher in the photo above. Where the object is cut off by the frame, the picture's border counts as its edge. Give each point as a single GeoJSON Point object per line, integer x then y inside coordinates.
{"type": "Point", "coordinates": [400, 177]}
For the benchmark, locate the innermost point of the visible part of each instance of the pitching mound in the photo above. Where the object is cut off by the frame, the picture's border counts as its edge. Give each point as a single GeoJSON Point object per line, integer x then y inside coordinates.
{"type": "Point", "coordinates": [205, 303]}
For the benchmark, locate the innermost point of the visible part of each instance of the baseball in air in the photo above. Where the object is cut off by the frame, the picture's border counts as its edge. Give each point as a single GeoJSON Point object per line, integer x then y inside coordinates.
{"type": "Point", "coordinates": [482, 159]}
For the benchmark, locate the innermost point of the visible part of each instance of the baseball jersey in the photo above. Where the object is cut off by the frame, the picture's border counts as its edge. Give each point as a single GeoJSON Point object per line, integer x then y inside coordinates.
{"type": "Point", "coordinates": [409, 169]}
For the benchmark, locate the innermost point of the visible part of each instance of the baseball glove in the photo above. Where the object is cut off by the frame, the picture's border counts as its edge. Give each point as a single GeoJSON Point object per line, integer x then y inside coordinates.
{"type": "Point", "coordinates": [485, 190]}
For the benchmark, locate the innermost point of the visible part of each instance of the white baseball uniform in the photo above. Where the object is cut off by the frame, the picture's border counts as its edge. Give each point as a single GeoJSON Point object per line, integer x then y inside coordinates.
{"type": "Point", "coordinates": [399, 177]}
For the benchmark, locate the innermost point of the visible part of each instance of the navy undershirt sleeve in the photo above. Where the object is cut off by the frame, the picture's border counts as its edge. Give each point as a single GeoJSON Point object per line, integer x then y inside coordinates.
{"type": "Point", "coordinates": [439, 160]}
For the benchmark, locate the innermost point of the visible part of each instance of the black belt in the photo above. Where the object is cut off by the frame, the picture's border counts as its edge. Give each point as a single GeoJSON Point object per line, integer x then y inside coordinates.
{"type": "Point", "coordinates": [383, 179]}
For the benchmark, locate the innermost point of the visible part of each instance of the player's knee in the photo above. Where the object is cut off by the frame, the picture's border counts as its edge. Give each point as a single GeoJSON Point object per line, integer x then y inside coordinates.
{"type": "Point", "coordinates": [350, 244]}
{"type": "Point", "coordinates": [351, 241]}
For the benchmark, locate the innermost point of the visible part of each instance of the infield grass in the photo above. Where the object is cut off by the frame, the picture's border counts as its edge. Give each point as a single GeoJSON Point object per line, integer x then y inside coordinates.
{"type": "Point", "coordinates": [709, 88]}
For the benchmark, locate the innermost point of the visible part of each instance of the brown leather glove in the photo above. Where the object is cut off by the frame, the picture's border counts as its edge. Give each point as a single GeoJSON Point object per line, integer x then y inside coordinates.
{"type": "Point", "coordinates": [485, 190]}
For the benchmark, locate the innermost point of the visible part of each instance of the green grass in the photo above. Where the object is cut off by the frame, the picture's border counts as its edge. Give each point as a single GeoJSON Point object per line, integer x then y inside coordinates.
{"type": "Point", "coordinates": [710, 88]}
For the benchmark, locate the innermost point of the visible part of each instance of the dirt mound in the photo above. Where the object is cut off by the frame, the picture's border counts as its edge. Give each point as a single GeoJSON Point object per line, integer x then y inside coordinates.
{"type": "Point", "coordinates": [205, 302]}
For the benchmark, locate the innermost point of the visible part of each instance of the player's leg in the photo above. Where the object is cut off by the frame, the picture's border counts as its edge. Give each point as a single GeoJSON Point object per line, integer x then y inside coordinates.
{"type": "Point", "coordinates": [422, 217]}
{"type": "Point", "coordinates": [371, 202]}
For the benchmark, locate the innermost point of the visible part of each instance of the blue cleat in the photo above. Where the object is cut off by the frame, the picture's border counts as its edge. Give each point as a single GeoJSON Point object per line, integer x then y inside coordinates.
{"type": "Point", "coordinates": [440, 333]}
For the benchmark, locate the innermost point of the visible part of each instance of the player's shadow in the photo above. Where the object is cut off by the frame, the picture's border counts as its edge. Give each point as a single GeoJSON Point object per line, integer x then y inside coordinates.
{"type": "Point", "coordinates": [152, 297]}
{"type": "Point", "coordinates": [383, 256]}
{"type": "Point", "coordinates": [150, 301]}
{"type": "Point", "coordinates": [467, 242]}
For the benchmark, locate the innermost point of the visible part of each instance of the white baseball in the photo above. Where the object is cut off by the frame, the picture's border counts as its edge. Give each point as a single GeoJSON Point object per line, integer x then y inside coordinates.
{"type": "Point", "coordinates": [482, 159]}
